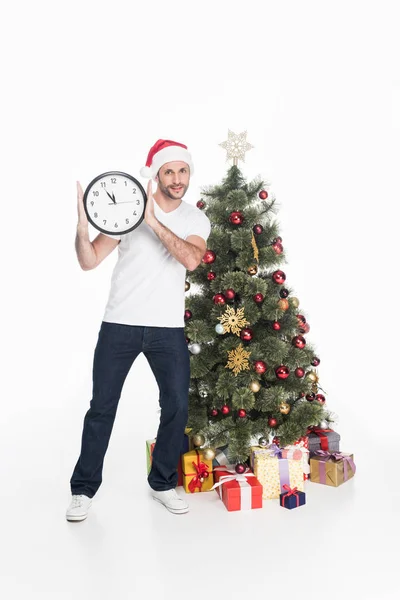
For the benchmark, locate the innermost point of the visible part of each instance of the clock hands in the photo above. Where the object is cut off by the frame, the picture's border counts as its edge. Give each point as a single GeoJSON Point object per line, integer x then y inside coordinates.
{"type": "Point", "coordinates": [114, 200]}
{"type": "Point", "coordinates": [112, 197]}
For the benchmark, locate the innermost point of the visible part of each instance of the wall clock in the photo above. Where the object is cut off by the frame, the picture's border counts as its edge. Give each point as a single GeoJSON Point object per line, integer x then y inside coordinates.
{"type": "Point", "coordinates": [115, 202]}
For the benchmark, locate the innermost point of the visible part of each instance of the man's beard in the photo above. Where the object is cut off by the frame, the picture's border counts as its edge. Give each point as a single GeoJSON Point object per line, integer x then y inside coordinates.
{"type": "Point", "coordinates": [166, 191]}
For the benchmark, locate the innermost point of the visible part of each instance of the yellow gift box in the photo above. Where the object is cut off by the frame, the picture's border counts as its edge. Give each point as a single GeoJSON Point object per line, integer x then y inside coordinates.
{"type": "Point", "coordinates": [272, 472]}
{"type": "Point", "coordinates": [195, 468]}
{"type": "Point", "coordinates": [331, 468]}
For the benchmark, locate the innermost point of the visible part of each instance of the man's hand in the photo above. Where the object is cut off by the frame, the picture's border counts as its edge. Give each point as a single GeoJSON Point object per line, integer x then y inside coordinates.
{"type": "Point", "coordinates": [82, 218]}
{"type": "Point", "coordinates": [149, 215]}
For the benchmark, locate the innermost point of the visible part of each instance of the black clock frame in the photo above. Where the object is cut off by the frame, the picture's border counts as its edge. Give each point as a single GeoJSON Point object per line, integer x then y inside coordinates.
{"type": "Point", "coordinates": [110, 173]}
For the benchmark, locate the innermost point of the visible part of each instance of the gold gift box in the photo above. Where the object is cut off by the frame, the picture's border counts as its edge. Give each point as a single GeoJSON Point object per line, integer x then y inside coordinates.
{"type": "Point", "coordinates": [334, 470]}
{"type": "Point", "coordinates": [189, 471]}
{"type": "Point", "coordinates": [266, 469]}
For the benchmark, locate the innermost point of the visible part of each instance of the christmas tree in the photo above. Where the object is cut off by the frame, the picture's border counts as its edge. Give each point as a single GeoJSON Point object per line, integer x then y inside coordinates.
{"type": "Point", "coordinates": [253, 373]}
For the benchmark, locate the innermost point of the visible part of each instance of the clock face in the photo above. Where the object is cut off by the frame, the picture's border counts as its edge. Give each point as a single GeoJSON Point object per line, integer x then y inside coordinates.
{"type": "Point", "coordinates": [115, 202]}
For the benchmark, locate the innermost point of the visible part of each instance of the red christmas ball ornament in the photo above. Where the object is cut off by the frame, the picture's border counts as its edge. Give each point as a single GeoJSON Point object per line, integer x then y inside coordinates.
{"type": "Point", "coordinates": [278, 248]}
{"type": "Point", "coordinates": [187, 340]}
{"type": "Point", "coordinates": [301, 318]}
{"type": "Point", "coordinates": [315, 361]}
{"type": "Point", "coordinates": [263, 194]}
{"type": "Point", "coordinates": [219, 299]}
{"type": "Point", "coordinates": [236, 217]}
{"type": "Point", "coordinates": [277, 240]}
{"type": "Point", "coordinates": [211, 275]}
{"type": "Point", "coordinates": [188, 315]}
{"type": "Point", "coordinates": [276, 441]}
{"type": "Point", "coordinates": [258, 229]}
{"type": "Point", "coordinates": [259, 366]}
{"type": "Point", "coordinates": [284, 293]}
{"type": "Point", "coordinates": [320, 398]}
{"type": "Point", "coordinates": [209, 257]}
{"type": "Point", "coordinates": [301, 395]}
{"type": "Point", "coordinates": [299, 372]}
{"type": "Point", "coordinates": [200, 204]}
{"type": "Point", "coordinates": [310, 397]}
{"type": "Point", "coordinates": [272, 422]}
{"type": "Point", "coordinates": [276, 325]}
{"type": "Point", "coordinates": [298, 341]}
{"type": "Point", "coordinates": [258, 298]}
{"type": "Point", "coordinates": [230, 294]}
{"type": "Point", "coordinates": [240, 468]}
{"type": "Point", "coordinates": [282, 372]}
{"type": "Point", "coordinates": [214, 412]}
{"type": "Point", "coordinates": [242, 413]}
{"type": "Point", "coordinates": [246, 334]}
{"type": "Point", "coordinates": [225, 409]}
{"type": "Point", "coordinates": [279, 277]}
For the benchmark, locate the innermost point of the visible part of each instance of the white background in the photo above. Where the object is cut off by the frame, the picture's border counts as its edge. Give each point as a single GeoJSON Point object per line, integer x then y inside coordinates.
{"type": "Point", "coordinates": [89, 87]}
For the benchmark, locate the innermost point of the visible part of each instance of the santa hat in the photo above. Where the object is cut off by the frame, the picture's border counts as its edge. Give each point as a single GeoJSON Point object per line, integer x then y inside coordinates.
{"type": "Point", "coordinates": [162, 152]}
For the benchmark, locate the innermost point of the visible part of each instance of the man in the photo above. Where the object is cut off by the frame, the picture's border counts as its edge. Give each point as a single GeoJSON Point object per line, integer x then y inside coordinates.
{"type": "Point", "coordinates": [144, 313]}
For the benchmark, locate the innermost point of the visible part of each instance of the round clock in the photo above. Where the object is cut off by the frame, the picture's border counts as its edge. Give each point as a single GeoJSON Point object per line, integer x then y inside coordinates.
{"type": "Point", "coordinates": [115, 202]}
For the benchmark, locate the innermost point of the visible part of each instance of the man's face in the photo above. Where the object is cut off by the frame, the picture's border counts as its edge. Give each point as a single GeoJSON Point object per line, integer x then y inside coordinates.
{"type": "Point", "coordinates": [173, 179]}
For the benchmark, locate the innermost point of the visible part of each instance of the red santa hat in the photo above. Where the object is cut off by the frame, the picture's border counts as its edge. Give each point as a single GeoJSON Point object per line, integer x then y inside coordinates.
{"type": "Point", "coordinates": [162, 152]}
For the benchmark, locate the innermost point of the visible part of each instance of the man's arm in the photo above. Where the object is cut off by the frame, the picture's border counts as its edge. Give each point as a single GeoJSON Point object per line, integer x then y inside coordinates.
{"type": "Point", "coordinates": [187, 253]}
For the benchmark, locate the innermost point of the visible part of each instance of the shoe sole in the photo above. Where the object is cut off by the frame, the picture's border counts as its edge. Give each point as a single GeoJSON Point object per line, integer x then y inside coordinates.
{"type": "Point", "coordinates": [76, 518]}
{"type": "Point", "coordinates": [176, 511]}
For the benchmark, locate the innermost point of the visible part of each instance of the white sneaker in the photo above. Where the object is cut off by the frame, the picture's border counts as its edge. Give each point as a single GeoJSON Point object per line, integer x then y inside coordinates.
{"type": "Point", "coordinates": [171, 501]}
{"type": "Point", "coordinates": [79, 507]}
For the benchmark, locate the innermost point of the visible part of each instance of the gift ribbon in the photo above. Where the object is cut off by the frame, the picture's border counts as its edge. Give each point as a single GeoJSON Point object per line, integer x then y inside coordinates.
{"type": "Point", "coordinates": [202, 470]}
{"type": "Point", "coordinates": [304, 452]}
{"type": "Point", "coordinates": [338, 456]}
{"type": "Point", "coordinates": [283, 464]}
{"type": "Point", "coordinates": [241, 478]}
{"type": "Point", "coordinates": [290, 492]}
{"type": "Point", "coordinates": [321, 434]}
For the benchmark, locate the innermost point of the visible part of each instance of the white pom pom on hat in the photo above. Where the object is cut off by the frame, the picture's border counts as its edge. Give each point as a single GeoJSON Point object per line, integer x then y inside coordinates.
{"type": "Point", "coordinates": [162, 152]}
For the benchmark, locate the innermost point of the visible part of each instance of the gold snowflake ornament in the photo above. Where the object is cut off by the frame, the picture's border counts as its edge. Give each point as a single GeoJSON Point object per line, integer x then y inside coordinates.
{"type": "Point", "coordinates": [237, 360]}
{"type": "Point", "coordinates": [236, 146]}
{"type": "Point", "coordinates": [233, 321]}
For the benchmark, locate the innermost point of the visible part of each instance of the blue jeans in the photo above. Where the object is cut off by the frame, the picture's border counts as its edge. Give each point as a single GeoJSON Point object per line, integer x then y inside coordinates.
{"type": "Point", "coordinates": [117, 347]}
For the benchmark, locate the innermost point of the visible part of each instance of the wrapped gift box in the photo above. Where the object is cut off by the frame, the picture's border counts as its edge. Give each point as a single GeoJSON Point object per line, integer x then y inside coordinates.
{"type": "Point", "coordinates": [322, 439]}
{"type": "Point", "coordinates": [292, 498]}
{"type": "Point", "coordinates": [197, 472]}
{"type": "Point", "coordinates": [186, 446]}
{"type": "Point", "coordinates": [332, 468]}
{"type": "Point", "coordinates": [274, 472]}
{"type": "Point", "coordinates": [237, 492]}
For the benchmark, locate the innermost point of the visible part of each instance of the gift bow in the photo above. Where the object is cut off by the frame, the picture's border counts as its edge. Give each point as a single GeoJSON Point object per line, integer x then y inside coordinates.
{"type": "Point", "coordinates": [305, 453]}
{"type": "Point", "coordinates": [338, 456]}
{"type": "Point", "coordinates": [233, 477]}
{"type": "Point", "coordinates": [201, 473]}
{"type": "Point", "coordinates": [290, 492]}
{"type": "Point", "coordinates": [275, 451]}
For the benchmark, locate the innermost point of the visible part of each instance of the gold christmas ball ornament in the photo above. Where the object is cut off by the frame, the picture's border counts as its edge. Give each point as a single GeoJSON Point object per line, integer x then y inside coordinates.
{"type": "Point", "coordinates": [252, 270]}
{"type": "Point", "coordinates": [284, 408]}
{"type": "Point", "coordinates": [198, 439]}
{"type": "Point", "coordinates": [283, 304]}
{"type": "Point", "coordinates": [294, 302]}
{"type": "Point", "coordinates": [312, 376]}
{"type": "Point", "coordinates": [209, 453]}
{"type": "Point", "coordinates": [314, 388]}
{"type": "Point", "coordinates": [187, 286]}
{"type": "Point", "coordinates": [255, 386]}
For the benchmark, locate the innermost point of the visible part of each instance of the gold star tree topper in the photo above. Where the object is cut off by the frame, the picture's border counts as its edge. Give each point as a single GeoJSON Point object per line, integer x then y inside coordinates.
{"type": "Point", "coordinates": [236, 146]}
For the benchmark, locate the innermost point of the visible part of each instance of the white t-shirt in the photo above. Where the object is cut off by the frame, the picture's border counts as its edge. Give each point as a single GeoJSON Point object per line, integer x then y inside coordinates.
{"type": "Point", "coordinates": [148, 283]}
